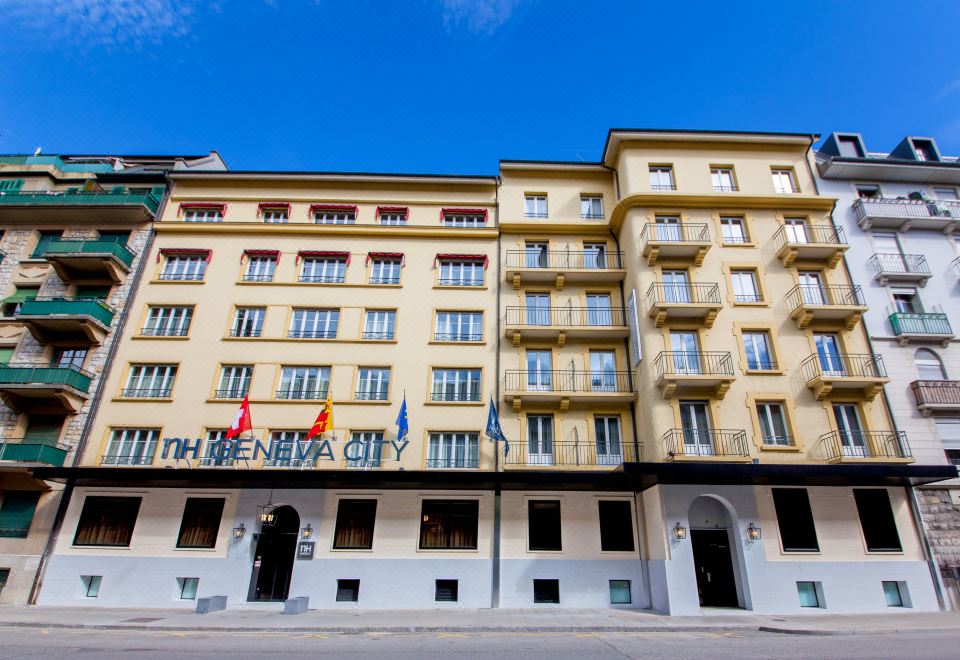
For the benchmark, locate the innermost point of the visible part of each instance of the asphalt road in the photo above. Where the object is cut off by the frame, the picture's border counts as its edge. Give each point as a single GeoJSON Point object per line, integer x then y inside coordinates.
{"type": "Point", "coordinates": [62, 644]}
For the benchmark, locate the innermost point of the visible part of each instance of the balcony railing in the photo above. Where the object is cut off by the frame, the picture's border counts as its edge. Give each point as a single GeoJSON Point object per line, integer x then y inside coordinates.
{"type": "Point", "coordinates": [81, 198]}
{"type": "Point", "coordinates": [569, 453]}
{"type": "Point", "coordinates": [31, 374]}
{"type": "Point", "coordinates": [366, 395]}
{"type": "Point", "coordinates": [164, 331]}
{"type": "Point", "coordinates": [693, 363]}
{"type": "Point", "coordinates": [905, 208]}
{"type": "Point", "coordinates": [136, 459]}
{"type": "Point", "coordinates": [456, 397]}
{"type": "Point", "coordinates": [181, 277]}
{"type": "Point", "coordinates": [843, 365]}
{"type": "Point", "coordinates": [898, 264]}
{"type": "Point", "coordinates": [385, 279]}
{"type": "Point", "coordinates": [71, 248]}
{"type": "Point", "coordinates": [235, 393]}
{"type": "Point", "coordinates": [807, 295]}
{"type": "Point", "coordinates": [453, 463]}
{"type": "Point", "coordinates": [704, 293]}
{"type": "Point", "coordinates": [601, 317]}
{"type": "Point", "coordinates": [323, 279]}
{"type": "Point", "coordinates": [683, 232]}
{"type": "Point", "coordinates": [936, 393]}
{"type": "Point", "coordinates": [456, 336]}
{"type": "Point", "coordinates": [567, 381]}
{"type": "Point", "coordinates": [459, 281]}
{"type": "Point", "coordinates": [838, 445]}
{"type": "Point", "coordinates": [302, 395]}
{"type": "Point", "coordinates": [312, 334]}
{"type": "Point", "coordinates": [564, 259]}
{"type": "Point", "coordinates": [258, 277]}
{"type": "Point", "coordinates": [147, 393]}
{"type": "Point", "coordinates": [936, 324]}
{"type": "Point", "coordinates": [92, 307]}
{"type": "Point", "coordinates": [31, 450]}
{"type": "Point", "coordinates": [803, 235]}
{"type": "Point", "coordinates": [705, 442]}
{"type": "Point", "coordinates": [369, 334]}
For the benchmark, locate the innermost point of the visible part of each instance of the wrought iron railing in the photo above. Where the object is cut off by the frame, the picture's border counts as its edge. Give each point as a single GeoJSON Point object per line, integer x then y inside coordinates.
{"type": "Point", "coordinates": [385, 279]}
{"type": "Point", "coordinates": [232, 393]}
{"type": "Point", "coordinates": [843, 365]}
{"type": "Point", "coordinates": [323, 279]}
{"type": "Point", "coordinates": [693, 363]}
{"type": "Point", "coordinates": [368, 334]}
{"type": "Point", "coordinates": [129, 459]}
{"type": "Point", "coordinates": [878, 207]}
{"type": "Point", "coordinates": [682, 232]}
{"type": "Point", "coordinates": [93, 307]}
{"type": "Point", "coordinates": [864, 444]}
{"type": "Point", "coordinates": [184, 277]}
{"type": "Point", "coordinates": [454, 397]}
{"type": "Point", "coordinates": [164, 331]}
{"type": "Point", "coordinates": [567, 381]}
{"type": "Point", "coordinates": [312, 334]}
{"type": "Point", "coordinates": [459, 281]}
{"type": "Point", "coordinates": [807, 295]}
{"type": "Point", "coordinates": [804, 234]}
{"type": "Point", "coordinates": [936, 392]}
{"type": "Point", "coordinates": [147, 393]}
{"type": "Point", "coordinates": [898, 264]}
{"type": "Point", "coordinates": [700, 293]}
{"type": "Point", "coordinates": [567, 453]}
{"type": "Point", "coordinates": [453, 463]}
{"type": "Point", "coordinates": [301, 395]}
{"type": "Point", "coordinates": [904, 323]}
{"type": "Point", "coordinates": [566, 316]}
{"type": "Point", "coordinates": [371, 395]}
{"type": "Point", "coordinates": [245, 332]}
{"type": "Point", "coordinates": [704, 442]}
{"type": "Point", "coordinates": [456, 336]}
{"type": "Point", "coordinates": [564, 259]}
{"type": "Point", "coordinates": [258, 277]}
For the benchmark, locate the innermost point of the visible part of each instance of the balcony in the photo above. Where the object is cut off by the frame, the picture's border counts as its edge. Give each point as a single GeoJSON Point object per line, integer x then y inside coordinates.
{"type": "Point", "coordinates": [865, 447]}
{"type": "Point", "coordinates": [832, 305]}
{"type": "Point", "coordinates": [683, 242]}
{"type": "Point", "coordinates": [683, 302]}
{"type": "Point", "coordinates": [810, 244]}
{"type": "Point", "coordinates": [568, 454]}
{"type": "Point", "coordinates": [560, 266]}
{"type": "Point", "coordinates": [33, 451]}
{"type": "Point", "coordinates": [81, 262]}
{"type": "Point", "coordinates": [67, 319]}
{"type": "Point", "coordinates": [705, 445]}
{"type": "Point", "coordinates": [709, 374]}
{"type": "Point", "coordinates": [563, 323]}
{"type": "Point", "coordinates": [936, 396]}
{"type": "Point", "coordinates": [921, 327]}
{"type": "Point", "coordinates": [844, 373]}
{"type": "Point", "coordinates": [912, 268]}
{"type": "Point", "coordinates": [119, 205]}
{"type": "Point", "coordinates": [44, 389]}
{"type": "Point", "coordinates": [567, 388]}
{"type": "Point", "coordinates": [902, 214]}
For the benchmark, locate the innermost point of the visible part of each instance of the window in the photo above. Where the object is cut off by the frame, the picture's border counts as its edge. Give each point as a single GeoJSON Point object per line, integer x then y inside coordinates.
{"type": "Point", "coordinates": [543, 519]}
{"type": "Point", "coordinates": [459, 326]}
{"type": "Point", "coordinates": [907, 301]}
{"type": "Point", "coordinates": [449, 524]}
{"type": "Point", "coordinates": [234, 381]}
{"type": "Point", "coordinates": [43, 429]}
{"type": "Point", "coordinates": [187, 586]}
{"type": "Point", "coordinates": [348, 591]}
{"type": "Point", "coordinates": [620, 592]}
{"type": "Point", "coordinates": [275, 215]}
{"type": "Point", "coordinates": [733, 230]}
{"type": "Point", "coordinates": [745, 289]}
{"type": "Point", "coordinates": [211, 214]}
{"type": "Point", "coordinates": [535, 206]}
{"type": "Point", "coordinates": [304, 383]}
{"type": "Point", "coordinates": [107, 521]}
{"type": "Point", "coordinates": [929, 366]}
{"type": "Point", "coordinates": [129, 446]}
{"type": "Point", "coordinates": [260, 268]}
{"type": "Point", "coordinates": [893, 593]}
{"type": "Point", "coordinates": [4, 572]}
{"type": "Point", "coordinates": [773, 424]}
{"type": "Point", "coordinates": [722, 179]}
{"type": "Point", "coordinates": [949, 194]}
{"type": "Point", "coordinates": [184, 267]}
{"type": "Point", "coordinates": [150, 381]}
{"type": "Point", "coordinates": [248, 322]}
{"type": "Point", "coordinates": [877, 521]}
{"type": "Point", "coordinates": [385, 270]}
{"type": "Point", "coordinates": [539, 439]}
{"type": "Point", "coordinates": [446, 591]}
{"type": "Point", "coordinates": [808, 594]}
{"type": "Point", "coordinates": [366, 449]}
{"type": "Point", "coordinates": [335, 217]}
{"type": "Point", "coordinates": [454, 449]}
{"type": "Point", "coordinates": [167, 322]}
{"type": "Point", "coordinates": [464, 219]}
{"type": "Point", "coordinates": [67, 358]}
{"type": "Point", "coordinates": [607, 442]}
{"type": "Point", "coordinates": [393, 218]}
{"type": "Point", "coordinates": [784, 180]}
{"type": "Point", "coordinates": [326, 270]}
{"type": "Point", "coordinates": [380, 324]}
{"type": "Point", "coordinates": [373, 384]}
{"type": "Point", "coordinates": [287, 438]}
{"type": "Point", "coordinates": [868, 191]}
{"type": "Point", "coordinates": [661, 177]}
{"type": "Point", "coordinates": [16, 512]}
{"type": "Point", "coordinates": [461, 272]}
{"type": "Point", "coordinates": [756, 347]}
{"type": "Point", "coordinates": [355, 524]}
{"type": "Point", "coordinates": [314, 323]}
{"type": "Point", "coordinates": [595, 255]}
{"type": "Point", "coordinates": [591, 207]}
{"type": "Point", "coordinates": [200, 523]}
{"type": "Point", "coordinates": [546, 591]}
{"type": "Point", "coordinates": [924, 150]}
{"type": "Point", "coordinates": [214, 436]}
{"type": "Point", "coordinates": [44, 240]}
{"type": "Point", "coordinates": [795, 520]}
{"type": "Point", "coordinates": [456, 385]}
{"type": "Point", "coordinates": [849, 147]}
{"type": "Point", "coordinates": [616, 526]}
{"type": "Point", "coordinates": [22, 294]}
{"type": "Point", "coordinates": [599, 309]}
{"type": "Point", "coordinates": [91, 585]}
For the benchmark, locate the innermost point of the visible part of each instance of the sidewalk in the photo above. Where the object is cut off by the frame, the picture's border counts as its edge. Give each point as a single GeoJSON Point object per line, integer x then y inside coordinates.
{"type": "Point", "coordinates": [263, 618]}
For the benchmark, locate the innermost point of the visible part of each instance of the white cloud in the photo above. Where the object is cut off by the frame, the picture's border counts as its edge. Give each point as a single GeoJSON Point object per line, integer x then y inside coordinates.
{"type": "Point", "coordinates": [482, 16]}
{"type": "Point", "coordinates": [947, 90]}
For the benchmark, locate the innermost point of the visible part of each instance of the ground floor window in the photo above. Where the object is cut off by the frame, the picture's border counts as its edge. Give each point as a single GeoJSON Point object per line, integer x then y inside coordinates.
{"type": "Point", "coordinates": [544, 531]}
{"type": "Point", "coordinates": [348, 591]}
{"type": "Point", "coordinates": [201, 522]}
{"type": "Point", "coordinates": [107, 521]}
{"type": "Point", "coordinates": [620, 592]}
{"type": "Point", "coordinates": [809, 594]}
{"type": "Point", "coordinates": [795, 520]}
{"type": "Point", "coordinates": [91, 585]}
{"type": "Point", "coordinates": [546, 591]}
{"type": "Point", "coordinates": [16, 512]}
{"type": "Point", "coordinates": [447, 591]}
{"type": "Point", "coordinates": [449, 524]}
{"type": "Point", "coordinates": [876, 520]}
{"type": "Point", "coordinates": [188, 587]}
{"type": "Point", "coordinates": [355, 521]}
{"type": "Point", "coordinates": [895, 593]}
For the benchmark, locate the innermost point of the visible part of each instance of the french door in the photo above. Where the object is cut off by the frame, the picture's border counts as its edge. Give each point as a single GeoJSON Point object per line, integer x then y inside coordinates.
{"type": "Point", "coordinates": [796, 229]}
{"type": "Point", "coordinates": [676, 286]}
{"type": "Point", "coordinates": [603, 371]}
{"type": "Point", "coordinates": [540, 439]}
{"type": "Point", "coordinates": [811, 287]}
{"type": "Point", "coordinates": [607, 440]}
{"type": "Point", "coordinates": [539, 371]}
{"type": "Point", "coordinates": [686, 352]}
{"type": "Point", "coordinates": [829, 354]}
{"type": "Point", "coordinates": [536, 255]}
{"type": "Point", "coordinates": [668, 229]}
{"type": "Point", "coordinates": [852, 438]}
{"type": "Point", "coordinates": [598, 309]}
{"type": "Point", "coordinates": [538, 309]}
{"type": "Point", "coordinates": [695, 421]}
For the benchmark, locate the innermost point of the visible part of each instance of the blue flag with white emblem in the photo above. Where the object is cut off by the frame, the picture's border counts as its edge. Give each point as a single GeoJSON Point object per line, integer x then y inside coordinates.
{"type": "Point", "coordinates": [403, 425]}
{"type": "Point", "coordinates": [494, 431]}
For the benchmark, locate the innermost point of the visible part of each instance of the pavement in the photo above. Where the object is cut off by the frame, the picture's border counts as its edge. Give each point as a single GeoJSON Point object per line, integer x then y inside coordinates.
{"type": "Point", "coordinates": [451, 620]}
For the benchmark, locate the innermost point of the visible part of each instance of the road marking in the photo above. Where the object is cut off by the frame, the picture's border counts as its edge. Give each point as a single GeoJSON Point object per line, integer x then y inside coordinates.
{"type": "Point", "coordinates": [453, 635]}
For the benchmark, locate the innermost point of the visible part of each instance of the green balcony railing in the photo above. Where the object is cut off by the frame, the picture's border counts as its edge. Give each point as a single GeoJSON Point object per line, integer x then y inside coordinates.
{"type": "Point", "coordinates": [93, 307]}
{"type": "Point", "coordinates": [69, 248]}
{"type": "Point", "coordinates": [31, 374]}
{"type": "Point", "coordinates": [81, 198]}
{"type": "Point", "coordinates": [32, 451]}
{"type": "Point", "coordinates": [920, 324]}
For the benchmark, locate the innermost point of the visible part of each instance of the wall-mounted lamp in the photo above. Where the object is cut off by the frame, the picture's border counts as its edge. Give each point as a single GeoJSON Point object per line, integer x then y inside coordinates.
{"type": "Point", "coordinates": [679, 532]}
{"type": "Point", "coordinates": [306, 532]}
{"type": "Point", "coordinates": [753, 533]}
{"type": "Point", "coordinates": [239, 532]}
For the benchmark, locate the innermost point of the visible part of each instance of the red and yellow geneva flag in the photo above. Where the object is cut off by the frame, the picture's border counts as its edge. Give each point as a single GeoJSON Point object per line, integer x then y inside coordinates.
{"type": "Point", "coordinates": [324, 420]}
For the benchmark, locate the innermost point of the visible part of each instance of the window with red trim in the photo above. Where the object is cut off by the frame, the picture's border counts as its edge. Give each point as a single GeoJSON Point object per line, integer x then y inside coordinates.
{"type": "Point", "coordinates": [184, 265]}
{"type": "Point", "coordinates": [460, 271]}
{"type": "Point", "coordinates": [274, 212]}
{"type": "Point", "coordinates": [200, 212]}
{"type": "Point", "coordinates": [385, 267]}
{"type": "Point", "coordinates": [392, 215]}
{"type": "Point", "coordinates": [464, 217]}
{"type": "Point", "coordinates": [334, 214]}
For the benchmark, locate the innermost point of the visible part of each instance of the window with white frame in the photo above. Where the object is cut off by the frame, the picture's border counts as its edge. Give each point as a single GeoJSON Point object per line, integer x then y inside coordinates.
{"type": "Point", "coordinates": [756, 347]}
{"type": "Point", "coordinates": [167, 321]}
{"type": "Point", "coordinates": [366, 449]}
{"type": "Point", "coordinates": [335, 217]}
{"type": "Point", "coordinates": [248, 322]}
{"type": "Point", "coordinates": [661, 177]}
{"type": "Point", "coordinates": [535, 206]}
{"type": "Point", "coordinates": [209, 214]}
{"type": "Point", "coordinates": [327, 270]}
{"type": "Point", "coordinates": [461, 272]}
{"type": "Point", "coordinates": [260, 268]}
{"type": "Point", "coordinates": [453, 449]}
{"type": "Point", "coordinates": [385, 270]}
{"type": "Point", "coordinates": [455, 385]}
{"type": "Point", "coordinates": [773, 424]}
{"type": "Point", "coordinates": [128, 446]}
{"type": "Point", "coordinates": [459, 326]}
{"type": "Point", "coordinates": [301, 383]}
{"type": "Point", "coordinates": [784, 180]}
{"type": "Point", "coordinates": [591, 207]}
{"type": "Point", "coordinates": [276, 215]}
{"type": "Point", "coordinates": [289, 439]}
{"type": "Point", "coordinates": [380, 324]}
{"type": "Point", "coordinates": [214, 436]}
{"type": "Point", "coordinates": [234, 381]}
{"type": "Point", "coordinates": [373, 384]}
{"type": "Point", "coordinates": [463, 219]}
{"type": "Point", "coordinates": [393, 218]}
{"type": "Point", "coordinates": [314, 323]}
{"type": "Point", "coordinates": [733, 230]}
{"type": "Point", "coordinates": [745, 288]}
{"type": "Point", "coordinates": [189, 267]}
{"type": "Point", "coordinates": [150, 381]}
{"type": "Point", "coordinates": [722, 179]}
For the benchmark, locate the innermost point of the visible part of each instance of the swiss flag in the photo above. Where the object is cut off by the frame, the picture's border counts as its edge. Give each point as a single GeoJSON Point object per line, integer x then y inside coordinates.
{"type": "Point", "coordinates": [241, 421]}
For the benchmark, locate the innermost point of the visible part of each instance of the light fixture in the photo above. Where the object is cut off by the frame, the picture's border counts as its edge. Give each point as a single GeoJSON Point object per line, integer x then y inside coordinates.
{"type": "Point", "coordinates": [753, 533]}
{"type": "Point", "coordinates": [679, 532]}
{"type": "Point", "coordinates": [266, 514]}
{"type": "Point", "coordinates": [239, 532]}
{"type": "Point", "coordinates": [307, 531]}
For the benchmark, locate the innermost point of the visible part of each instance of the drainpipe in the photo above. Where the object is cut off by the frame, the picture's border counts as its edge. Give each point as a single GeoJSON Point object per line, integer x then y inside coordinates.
{"type": "Point", "coordinates": [495, 569]}
{"type": "Point", "coordinates": [626, 345]}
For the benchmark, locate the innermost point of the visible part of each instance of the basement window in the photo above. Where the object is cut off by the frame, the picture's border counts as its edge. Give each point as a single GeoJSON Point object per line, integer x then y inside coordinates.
{"type": "Point", "coordinates": [546, 591]}
{"type": "Point", "coordinates": [348, 591]}
{"type": "Point", "coordinates": [447, 591]}
{"type": "Point", "coordinates": [91, 585]}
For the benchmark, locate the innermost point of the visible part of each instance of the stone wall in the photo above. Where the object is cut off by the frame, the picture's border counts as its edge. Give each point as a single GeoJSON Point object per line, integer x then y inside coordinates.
{"type": "Point", "coordinates": [940, 510]}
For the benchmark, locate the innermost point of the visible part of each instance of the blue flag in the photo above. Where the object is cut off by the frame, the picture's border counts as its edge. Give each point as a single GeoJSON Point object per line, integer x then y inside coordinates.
{"type": "Point", "coordinates": [403, 425]}
{"type": "Point", "coordinates": [494, 431]}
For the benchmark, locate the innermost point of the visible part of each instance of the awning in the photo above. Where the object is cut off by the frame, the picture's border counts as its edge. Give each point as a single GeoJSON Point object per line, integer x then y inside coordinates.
{"type": "Point", "coordinates": [273, 205]}
{"type": "Point", "coordinates": [387, 255]}
{"type": "Point", "coordinates": [393, 209]}
{"type": "Point", "coordinates": [261, 253]}
{"type": "Point", "coordinates": [222, 206]}
{"type": "Point", "coordinates": [464, 257]}
{"type": "Point", "coordinates": [21, 295]}
{"type": "Point", "coordinates": [323, 253]}
{"type": "Point", "coordinates": [445, 212]}
{"type": "Point", "coordinates": [207, 254]}
{"type": "Point", "coordinates": [332, 207]}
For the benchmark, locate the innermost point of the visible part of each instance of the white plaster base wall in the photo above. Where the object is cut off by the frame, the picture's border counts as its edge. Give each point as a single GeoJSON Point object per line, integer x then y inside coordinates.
{"type": "Point", "coordinates": [583, 583]}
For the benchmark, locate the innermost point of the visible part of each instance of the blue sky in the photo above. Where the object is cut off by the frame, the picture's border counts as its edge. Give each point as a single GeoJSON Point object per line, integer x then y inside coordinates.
{"type": "Point", "coordinates": [455, 85]}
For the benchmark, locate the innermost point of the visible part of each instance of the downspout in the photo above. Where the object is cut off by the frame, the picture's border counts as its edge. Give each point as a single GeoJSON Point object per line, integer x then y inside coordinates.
{"type": "Point", "coordinates": [495, 569]}
{"type": "Point", "coordinates": [626, 345]}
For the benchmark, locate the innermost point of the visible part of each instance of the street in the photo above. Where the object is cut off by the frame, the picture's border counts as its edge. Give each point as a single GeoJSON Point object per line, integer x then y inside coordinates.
{"type": "Point", "coordinates": [24, 643]}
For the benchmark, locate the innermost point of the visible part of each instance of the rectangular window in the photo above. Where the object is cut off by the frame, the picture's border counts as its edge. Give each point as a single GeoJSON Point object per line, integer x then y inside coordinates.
{"type": "Point", "coordinates": [849, 147]}
{"type": "Point", "coordinates": [808, 594]}
{"type": "Point", "coordinates": [107, 521]}
{"type": "Point", "coordinates": [544, 528]}
{"type": "Point", "coordinates": [234, 381]}
{"type": "Point", "coordinates": [150, 381]}
{"type": "Point", "coordinates": [733, 230]}
{"type": "Point", "coordinates": [591, 207]}
{"type": "Point", "coordinates": [275, 216]}
{"type": "Point", "coordinates": [373, 384]}
{"type": "Point", "coordinates": [449, 524]}
{"type": "Point", "coordinates": [447, 591]}
{"type": "Point", "coordinates": [745, 289]}
{"type": "Point", "coordinates": [616, 526]}
{"type": "Point", "coordinates": [595, 256]}
{"type": "Point", "coordinates": [289, 439]}
{"type": "Point", "coordinates": [348, 591]}
{"type": "Point", "coordinates": [798, 533]}
{"type": "Point", "coordinates": [260, 268]}
{"type": "Point", "coordinates": [201, 522]}
{"type": "Point", "coordinates": [385, 270]}
{"type": "Point", "coordinates": [722, 179]}
{"type": "Point", "coordinates": [784, 180]}
{"type": "Point", "coordinates": [355, 524]}
{"type": "Point", "coordinates": [461, 272]}
{"type": "Point", "coordinates": [167, 322]}
{"type": "Point", "coordinates": [756, 347]}
{"type": "Point", "coordinates": [184, 267]}
{"type": "Point", "coordinates": [212, 214]}
{"type": "Point", "coordinates": [949, 194]}
{"type": "Point", "coordinates": [457, 219]}
{"type": "Point", "coordinates": [868, 191]}
{"type": "Point", "coordinates": [16, 513]}
{"type": "Point", "coordinates": [455, 385]}
{"type": "Point", "coordinates": [546, 591]}
{"type": "Point", "coordinates": [21, 294]}
{"type": "Point", "coordinates": [69, 358]}
{"type": "Point", "coordinates": [453, 449]}
{"type": "Point", "coordinates": [535, 206]}
{"type": "Point", "coordinates": [314, 324]}
{"type": "Point", "coordinates": [188, 587]}
{"type": "Point", "coordinates": [893, 594]}
{"type": "Point", "coordinates": [91, 585]}
{"type": "Point", "coordinates": [248, 322]}
{"type": "Point", "coordinates": [393, 218]}
{"type": "Point", "coordinates": [877, 521]}
{"type": "Point", "coordinates": [459, 326]}
{"type": "Point", "coordinates": [335, 217]}
{"type": "Point", "coordinates": [214, 436]}
{"type": "Point", "coordinates": [328, 270]}
{"type": "Point", "coordinates": [661, 177]}
{"type": "Point", "coordinates": [301, 383]}
{"type": "Point", "coordinates": [366, 449]}
{"type": "Point", "coordinates": [620, 592]}
{"type": "Point", "coordinates": [773, 424]}
{"type": "Point", "coordinates": [131, 446]}
{"type": "Point", "coordinates": [380, 324]}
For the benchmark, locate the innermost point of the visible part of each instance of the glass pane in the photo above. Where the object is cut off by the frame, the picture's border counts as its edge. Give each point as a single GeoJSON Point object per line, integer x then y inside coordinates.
{"type": "Point", "coordinates": [807, 591]}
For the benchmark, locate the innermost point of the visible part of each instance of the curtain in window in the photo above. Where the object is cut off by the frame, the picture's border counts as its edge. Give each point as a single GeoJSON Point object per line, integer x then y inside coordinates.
{"type": "Point", "coordinates": [107, 521]}
{"type": "Point", "coordinates": [355, 522]}
{"type": "Point", "coordinates": [201, 522]}
{"type": "Point", "coordinates": [449, 524]}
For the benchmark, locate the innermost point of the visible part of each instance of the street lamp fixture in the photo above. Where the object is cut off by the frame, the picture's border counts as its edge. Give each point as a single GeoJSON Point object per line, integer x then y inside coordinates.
{"type": "Point", "coordinates": [753, 532]}
{"type": "Point", "coordinates": [239, 532]}
{"type": "Point", "coordinates": [306, 532]}
{"type": "Point", "coordinates": [679, 532]}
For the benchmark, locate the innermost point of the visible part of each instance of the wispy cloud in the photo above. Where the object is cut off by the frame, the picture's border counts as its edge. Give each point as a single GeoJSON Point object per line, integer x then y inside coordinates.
{"type": "Point", "coordinates": [947, 90]}
{"type": "Point", "coordinates": [480, 16]}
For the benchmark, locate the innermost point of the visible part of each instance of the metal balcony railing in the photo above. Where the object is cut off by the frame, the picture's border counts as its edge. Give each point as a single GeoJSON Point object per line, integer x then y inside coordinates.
{"type": "Point", "coordinates": [92, 307]}
{"type": "Point", "coordinates": [65, 247]}
{"type": "Point", "coordinates": [796, 235]}
{"type": "Point", "coordinates": [323, 279]}
{"type": "Point", "coordinates": [182, 277]}
{"type": "Point", "coordinates": [600, 317]}
{"type": "Point", "coordinates": [369, 334]}
{"type": "Point", "coordinates": [31, 374]}
{"type": "Point", "coordinates": [81, 198]}
{"type": "Point", "coordinates": [33, 450]}
{"type": "Point", "coordinates": [301, 395]}
{"type": "Point", "coordinates": [936, 392]}
{"type": "Point", "coordinates": [371, 395]}
{"type": "Point", "coordinates": [564, 259]}
{"type": "Point", "coordinates": [312, 334]}
{"type": "Point", "coordinates": [569, 453]}
{"type": "Point", "coordinates": [234, 393]}
{"type": "Point", "coordinates": [864, 444]}
{"type": "Point", "coordinates": [459, 281]}
{"type": "Point", "coordinates": [453, 463]}
{"type": "Point", "coordinates": [898, 264]}
{"type": "Point", "coordinates": [455, 397]}
{"type": "Point", "coordinates": [385, 279]}
{"type": "Point", "coordinates": [245, 332]}
{"type": "Point", "coordinates": [147, 393]}
{"type": "Point", "coordinates": [807, 295]}
{"type": "Point", "coordinates": [878, 207]}
{"type": "Point", "coordinates": [164, 331]}
{"type": "Point", "coordinates": [843, 365]}
{"type": "Point", "coordinates": [704, 442]}
{"type": "Point", "coordinates": [456, 336]}
{"type": "Point", "coordinates": [693, 363]}
{"type": "Point", "coordinates": [567, 381]}
{"type": "Point", "coordinates": [258, 277]}
{"type": "Point", "coordinates": [128, 459]}
{"type": "Point", "coordinates": [682, 232]}
{"type": "Point", "coordinates": [904, 323]}
{"type": "Point", "coordinates": [701, 293]}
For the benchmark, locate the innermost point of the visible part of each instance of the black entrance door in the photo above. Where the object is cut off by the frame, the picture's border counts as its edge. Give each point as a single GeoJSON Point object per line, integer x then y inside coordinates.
{"type": "Point", "coordinates": [714, 566]}
{"type": "Point", "coordinates": [273, 559]}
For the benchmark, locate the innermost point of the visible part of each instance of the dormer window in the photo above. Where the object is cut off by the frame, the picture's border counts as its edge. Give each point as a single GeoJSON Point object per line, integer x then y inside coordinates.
{"type": "Point", "coordinates": [924, 150]}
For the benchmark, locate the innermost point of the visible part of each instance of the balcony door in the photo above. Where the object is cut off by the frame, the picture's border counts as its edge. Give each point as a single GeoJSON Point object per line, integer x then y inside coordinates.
{"type": "Point", "coordinates": [676, 286]}
{"type": "Point", "coordinates": [891, 254]}
{"type": "Point", "coordinates": [540, 439]}
{"type": "Point", "coordinates": [668, 229]}
{"type": "Point", "coordinates": [607, 440]}
{"type": "Point", "coordinates": [539, 371]}
{"type": "Point", "coordinates": [603, 371]}
{"type": "Point", "coordinates": [538, 308]}
{"type": "Point", "coordinates": [796, 229]}
{"type": "Point", "coordinates": [829, 353]}
{"type": "Point", "coordinates": [535, 254]}
{"type": "Point", "coordinates": [598, 309]}
{"type": "Point", "coordinates": [594, 255]}
{"type": "Point", "coordinates": [695, 421]}
{"type": "Point", "coordinates": [850, 430]}
{"type": "Point", "coordinates": [811, 287]}
{"type": "Point", "coordinates": [686, 352]}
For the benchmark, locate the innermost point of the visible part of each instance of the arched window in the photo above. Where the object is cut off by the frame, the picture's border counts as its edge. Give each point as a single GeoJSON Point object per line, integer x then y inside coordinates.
{"type": "Point", "coordinates": [928, 364]}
